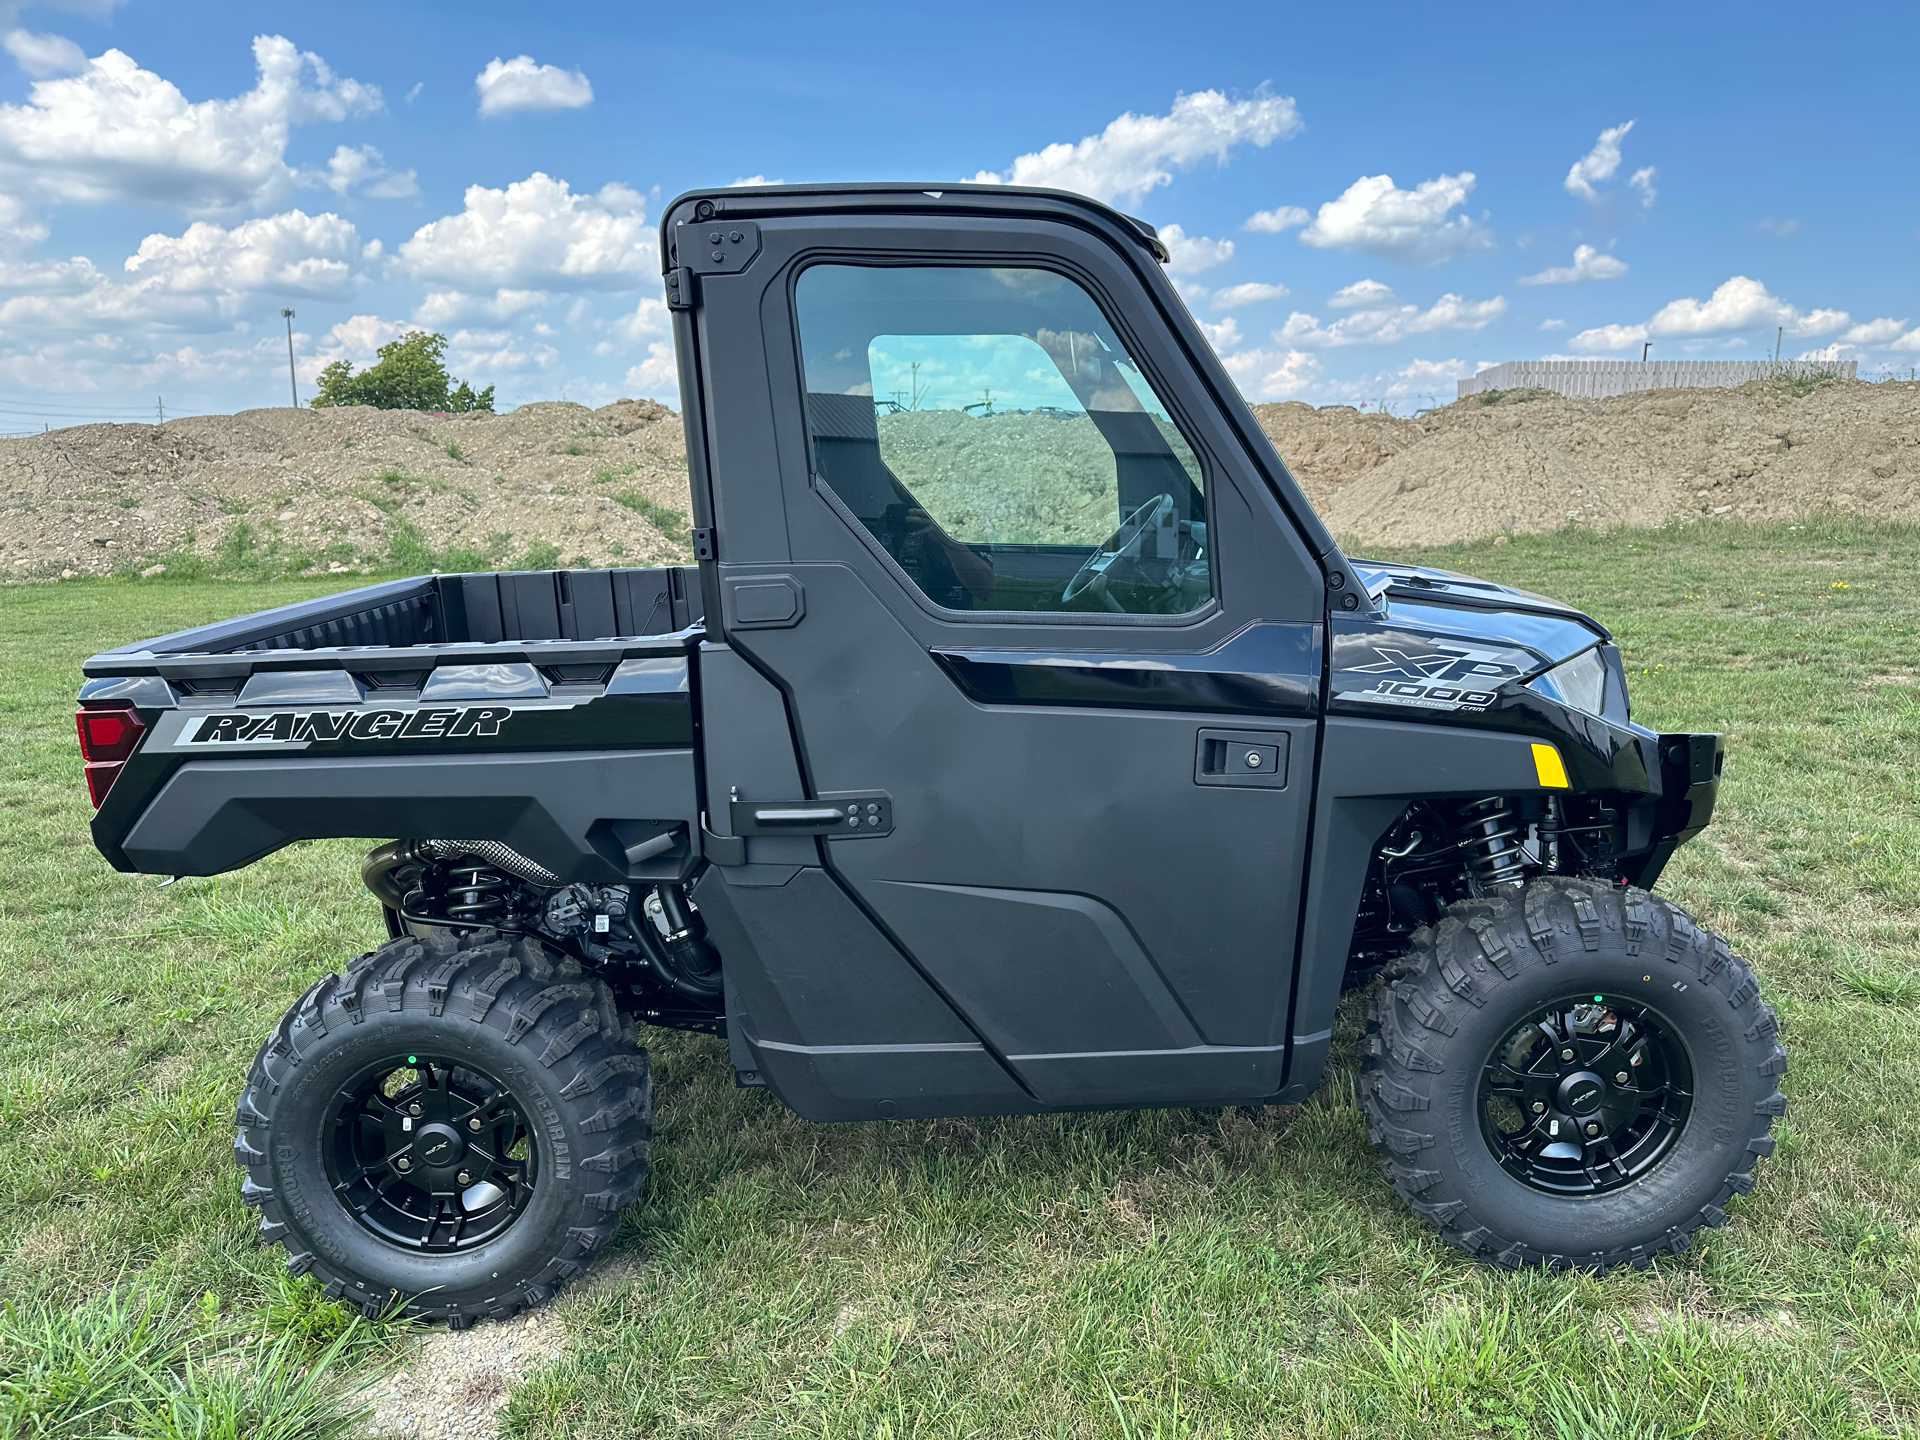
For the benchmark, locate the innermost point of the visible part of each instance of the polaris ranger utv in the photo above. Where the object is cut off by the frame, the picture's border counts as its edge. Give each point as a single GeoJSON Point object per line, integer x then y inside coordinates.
{"type": "Point", "coordinates": [1020, 741]}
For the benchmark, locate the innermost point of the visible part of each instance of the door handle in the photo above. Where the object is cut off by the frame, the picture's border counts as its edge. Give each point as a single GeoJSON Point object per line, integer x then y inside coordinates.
{"type": "Point", "coordinates": [798, 816]}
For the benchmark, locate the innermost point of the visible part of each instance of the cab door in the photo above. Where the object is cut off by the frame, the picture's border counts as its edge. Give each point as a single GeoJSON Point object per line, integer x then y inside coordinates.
{"type": "Point", "coordinates": [1049, 644]}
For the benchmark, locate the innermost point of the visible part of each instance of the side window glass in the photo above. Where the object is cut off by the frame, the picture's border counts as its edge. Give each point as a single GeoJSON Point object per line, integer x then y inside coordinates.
{"type": "Point", "coordinates": [990, 430]}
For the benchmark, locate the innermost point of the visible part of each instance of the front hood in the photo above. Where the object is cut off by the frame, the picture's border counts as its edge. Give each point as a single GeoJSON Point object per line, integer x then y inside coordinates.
{"type": "Point", "coordinates": [1450, 646]}
{"type": "Point", "coordinates": [1415, 597]}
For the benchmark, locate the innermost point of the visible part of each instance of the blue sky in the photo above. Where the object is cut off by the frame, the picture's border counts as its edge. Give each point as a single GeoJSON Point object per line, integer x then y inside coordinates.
{"type": "Point", "coordinates": [1365, 205]}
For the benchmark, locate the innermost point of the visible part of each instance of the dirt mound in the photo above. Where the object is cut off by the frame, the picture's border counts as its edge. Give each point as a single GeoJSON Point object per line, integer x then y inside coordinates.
{"type": "Point", "coordinates": [1533, 460]}
{"type": "Point", "coordinates": [283, 491]}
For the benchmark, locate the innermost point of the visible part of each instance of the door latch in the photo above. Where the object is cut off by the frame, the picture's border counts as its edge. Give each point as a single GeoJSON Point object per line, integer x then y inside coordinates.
{"type": "Point", "coordinates": [849, 815]}
{"type": "Point", "coordinates": [1256, 758]}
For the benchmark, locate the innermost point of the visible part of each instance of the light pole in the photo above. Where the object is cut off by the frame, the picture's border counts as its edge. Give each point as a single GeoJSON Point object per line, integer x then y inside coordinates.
{"type": "Point", "coordinates": [292, 383]}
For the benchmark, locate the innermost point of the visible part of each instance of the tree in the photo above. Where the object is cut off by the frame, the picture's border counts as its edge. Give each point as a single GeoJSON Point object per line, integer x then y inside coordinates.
{"type": "Point", "coordinates": [409, 375]}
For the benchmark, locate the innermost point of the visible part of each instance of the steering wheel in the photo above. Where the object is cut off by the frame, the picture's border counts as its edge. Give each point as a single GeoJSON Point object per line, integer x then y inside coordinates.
{"type": "Point", "coordinates": [1125, 542]}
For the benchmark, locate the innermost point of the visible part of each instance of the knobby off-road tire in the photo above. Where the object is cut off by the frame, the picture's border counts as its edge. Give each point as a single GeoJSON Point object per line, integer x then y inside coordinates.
{"type": "Point", "coordinates": [1458, 994]}
{"type": "Point", "coordinates": [507, 1017]}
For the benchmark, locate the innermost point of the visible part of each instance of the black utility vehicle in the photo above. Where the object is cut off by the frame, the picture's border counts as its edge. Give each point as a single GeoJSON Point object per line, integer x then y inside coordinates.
{"type": "Point", "coordinates": [1021, 741]}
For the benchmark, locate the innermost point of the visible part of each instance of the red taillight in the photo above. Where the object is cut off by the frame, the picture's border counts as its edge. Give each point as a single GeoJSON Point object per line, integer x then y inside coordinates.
{"type": "Point", "coordinates": [109, 733]}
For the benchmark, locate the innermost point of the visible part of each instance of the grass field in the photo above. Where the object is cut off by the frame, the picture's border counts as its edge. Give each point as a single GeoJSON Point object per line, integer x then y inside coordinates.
{"type": "Point", "coordinates": [1206, 1273]}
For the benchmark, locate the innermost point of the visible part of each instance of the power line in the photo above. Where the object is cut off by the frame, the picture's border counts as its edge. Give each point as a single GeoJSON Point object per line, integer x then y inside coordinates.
{"type": "Point", "coordinates": [142, 416]}
{"type": "Point", "coordinates": [58, 407]}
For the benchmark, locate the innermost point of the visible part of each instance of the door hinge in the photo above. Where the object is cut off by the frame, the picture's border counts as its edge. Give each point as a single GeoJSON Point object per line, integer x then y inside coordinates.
{"type": "Point", "coordinates": [683, 292]}
{"type": "Point", "coordinates": [703, 546]}
{"type": "Point", "coordinates": [717, 247]}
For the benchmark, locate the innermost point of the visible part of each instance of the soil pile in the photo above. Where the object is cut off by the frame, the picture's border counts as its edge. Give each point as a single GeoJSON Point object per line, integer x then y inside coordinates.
{"type": "Point", "coordinates": [287, 491]}
{"type": "Point", "coordinates": [1532, 460]}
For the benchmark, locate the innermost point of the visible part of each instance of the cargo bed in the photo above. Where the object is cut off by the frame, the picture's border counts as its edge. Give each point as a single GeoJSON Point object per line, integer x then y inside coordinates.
{"type": "Point", "coordinates": [521, 615]}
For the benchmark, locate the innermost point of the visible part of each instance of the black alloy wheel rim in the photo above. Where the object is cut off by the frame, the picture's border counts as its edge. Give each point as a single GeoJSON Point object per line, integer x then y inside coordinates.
{"type": "Point", "coordinates": [1585, 1095]}
{"type": "Point", "coordinates": [430, 1155]}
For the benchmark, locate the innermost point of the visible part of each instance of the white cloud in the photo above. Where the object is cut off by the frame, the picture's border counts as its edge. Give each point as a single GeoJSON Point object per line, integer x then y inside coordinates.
{"type": "Point", "coordinates": [657, 376]}
{"type": "Point", "coordinates": [1193, 253]}
{"type": "Point", "coordinates": [43, 55]}
{"type": "Point", "coordinates": [116, 132]}
{"type": "Point", "coordinates": [1138, 153]}
{"type": "Point", "coordinates": [1908, 341]}
{"type": "Point", "coordinates": [537, 234]}
{"type": "Point", "coordinates": [290, 254]}
{"type": "Point", "coordinates": [362, 167]}
{"type": "Point", "coordinates": [440, 308]}
{"type": "Point", "coordinates": [1295, 374]}
{"type": "Point", "coordinates": [1588, 264]}
{"type": "Point", "coordinates": [1387, 325]}
{"type": "Point", "coordinates": [509, 86]}
{"type": "Point", "coordinates": [1738, 304]}
{"type": "Point", "coordinates": [1274, 221]}
{"type": "Point", "coordinates": [752, 180]}
{"type": "Point", "coordinates": [1597, 164]}
{"type": "Point", "coordinates": [495, 352]}
{"type": "Point", "coordinates": [1362, 292]}
{"type": "Point", "coordinates": [1375, 217]}
{"type": "Point", "coordinates": [1609, 337]}
{"type": "Point", "coordinates": [1642, 180]}
{"type": "Point", "coordinates": [1875, 332]}
{"type": "Point", "coordinates": [1553, 324]}
{"type": "Point", "coordinates": [646, 319]}
{"type": "Point", "coordinates": [357, 339]}
{"type": "Point", "coordinates": [1252, 292]}
{"type": "Point", "coordinates": [1224, 336]}
{"type": "Point", "coordinates": [1780, 228]}
{"type": "Point", "coordinates": [1272, 374]}
{"type": "Point", "coordinates": [207, 279]}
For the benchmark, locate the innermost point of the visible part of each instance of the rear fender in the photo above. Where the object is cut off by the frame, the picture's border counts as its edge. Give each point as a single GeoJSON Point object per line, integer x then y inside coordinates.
{"type": "Point", "coordinates": [575, 813]}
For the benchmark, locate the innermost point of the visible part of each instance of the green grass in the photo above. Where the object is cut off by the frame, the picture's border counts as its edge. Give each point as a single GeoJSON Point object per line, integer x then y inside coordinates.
{"type": "Point", "coordinates": [1205, 1273]}
{"type": "Point", "coordinates": [669, 522]}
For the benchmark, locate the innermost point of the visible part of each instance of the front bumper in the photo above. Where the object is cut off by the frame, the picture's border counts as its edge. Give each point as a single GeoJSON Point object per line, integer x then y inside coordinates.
{"type": "Point", "coordinates": [1690, 766]}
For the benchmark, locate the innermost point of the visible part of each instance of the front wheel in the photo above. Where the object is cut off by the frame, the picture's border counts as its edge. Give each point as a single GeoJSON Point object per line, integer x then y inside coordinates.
{"type": "Point", "coordinates": [450, 1128]}
{"type": "Point", "coordinates": [1570, 1075]}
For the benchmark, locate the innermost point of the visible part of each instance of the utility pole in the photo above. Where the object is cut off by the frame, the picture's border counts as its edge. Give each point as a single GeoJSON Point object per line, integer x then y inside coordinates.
{"type": "Point", "coordinates": [915, 368]}
{"type": "Point", "coordinates": [293, 383]}
{"type": "Point", "coordinates": [159, 409]}
{"type": "Point", "coordinates": [1643, 351]}
{"type": "Point", "coordinates": [1778, 333]}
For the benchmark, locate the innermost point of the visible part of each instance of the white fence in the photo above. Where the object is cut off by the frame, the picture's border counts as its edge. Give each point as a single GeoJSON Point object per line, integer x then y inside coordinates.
{"type": "Point", "coordinates": [1596, 379]}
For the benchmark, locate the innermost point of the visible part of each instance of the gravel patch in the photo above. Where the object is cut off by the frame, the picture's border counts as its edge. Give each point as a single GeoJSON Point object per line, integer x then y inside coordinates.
{"type": "Point", "coordinates": [454, 1381]}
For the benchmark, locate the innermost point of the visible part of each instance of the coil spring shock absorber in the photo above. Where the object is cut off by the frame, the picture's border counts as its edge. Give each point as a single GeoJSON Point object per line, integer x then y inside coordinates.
{"type": "Point", "coordinates": [1493, 846]}
{"type": "Point", "coordinates": [476, 895]}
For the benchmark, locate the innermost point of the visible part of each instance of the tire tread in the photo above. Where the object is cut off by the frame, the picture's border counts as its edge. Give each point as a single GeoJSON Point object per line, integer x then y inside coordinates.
{"type": "Point", "coordinates": [1464, 959]}
{"type": "Point", "coordinates": [518, 989]}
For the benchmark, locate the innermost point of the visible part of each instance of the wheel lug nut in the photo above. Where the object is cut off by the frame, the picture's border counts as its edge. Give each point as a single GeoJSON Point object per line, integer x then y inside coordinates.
{"type": "Point", "coordinates": [414, 1109]}
{"type": "Point", "coordinates": [474, 1124]}
{"type": "Point", "coordinates": [464, 1178]}
{"type": "Point", "coordinates": [1539, 1107]}
{"type": "Point", "coordinates": [1567, 1053]}
{"type": "Point", "coordinates": [1593, 1127]}
{"type": "Point", "coordinates": [403, 1163]}
{"type": "Point", "coordinates": [1620, 1077]}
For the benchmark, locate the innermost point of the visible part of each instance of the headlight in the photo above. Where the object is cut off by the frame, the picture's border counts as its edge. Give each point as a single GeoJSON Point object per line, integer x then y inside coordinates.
{"type": "Point", "coordinates": [1580, 682]}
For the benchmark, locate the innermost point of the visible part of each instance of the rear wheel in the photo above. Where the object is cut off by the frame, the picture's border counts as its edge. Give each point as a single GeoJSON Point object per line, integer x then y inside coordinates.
{"type": "Point", "coordinates": [1570, 1075]}
{"type": "Point", "coordinates": [449, 1128]}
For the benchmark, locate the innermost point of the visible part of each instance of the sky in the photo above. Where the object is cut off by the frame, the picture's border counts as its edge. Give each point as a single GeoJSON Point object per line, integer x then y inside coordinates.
{"type": "Point", "coordinates": [1363, 205]}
